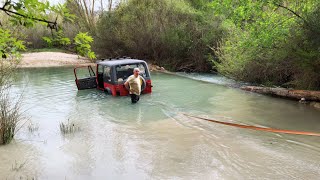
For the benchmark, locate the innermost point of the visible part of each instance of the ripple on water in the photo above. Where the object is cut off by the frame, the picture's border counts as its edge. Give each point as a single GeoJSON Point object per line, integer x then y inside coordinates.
{"type": "Point", "coordinates": [153, 139]}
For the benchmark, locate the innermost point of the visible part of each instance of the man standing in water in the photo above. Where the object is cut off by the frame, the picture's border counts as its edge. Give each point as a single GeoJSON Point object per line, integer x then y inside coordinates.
{"type": "Point", "coordinates": [134, 82]}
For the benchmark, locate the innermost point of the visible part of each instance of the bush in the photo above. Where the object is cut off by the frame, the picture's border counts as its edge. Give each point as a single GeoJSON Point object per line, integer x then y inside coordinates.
{"type": "Point", "coordinates": [171, 33]}
{"type": "Point", "coordinates": [276, 48]}
{"type": "Point", "coordinates": [57, 40]}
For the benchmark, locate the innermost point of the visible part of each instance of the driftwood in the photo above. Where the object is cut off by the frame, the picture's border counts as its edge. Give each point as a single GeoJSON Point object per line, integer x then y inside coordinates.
{"type": "Point", "coordinates": [286, 93]}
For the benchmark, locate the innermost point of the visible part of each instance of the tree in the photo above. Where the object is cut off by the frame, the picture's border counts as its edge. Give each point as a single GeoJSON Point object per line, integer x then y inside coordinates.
{"type": "Point", "coordinates": [27, 13]}
{"type": "Point", "coordinates": [173, 34]}
{"type": "Point", "coordinates": [87, 12]}
{"type": "Point", "coordinates": [269, 42]}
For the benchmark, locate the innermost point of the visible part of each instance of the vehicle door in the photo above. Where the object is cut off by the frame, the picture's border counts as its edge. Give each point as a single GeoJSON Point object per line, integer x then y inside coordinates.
{"type": "Point", "coordinates": [85, 77]}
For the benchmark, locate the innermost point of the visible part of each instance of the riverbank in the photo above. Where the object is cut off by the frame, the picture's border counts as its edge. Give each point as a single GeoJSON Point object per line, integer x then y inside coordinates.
{"type": "Point", "coordinates": [51, 59]}
{"type": "Point", "coordinates": [56, 59]}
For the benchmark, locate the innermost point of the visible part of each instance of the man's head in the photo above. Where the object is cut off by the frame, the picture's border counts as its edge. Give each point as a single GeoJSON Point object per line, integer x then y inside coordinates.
{"type": "Point", "coordinates": [136, 71]}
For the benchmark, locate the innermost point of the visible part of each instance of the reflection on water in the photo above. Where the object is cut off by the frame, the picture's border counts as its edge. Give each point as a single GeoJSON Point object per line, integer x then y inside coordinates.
{"type": "Point", "coordinates": [153, 139]}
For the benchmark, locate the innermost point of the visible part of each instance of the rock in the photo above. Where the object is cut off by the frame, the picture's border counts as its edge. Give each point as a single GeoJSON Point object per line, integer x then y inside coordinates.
{"type": "Point", "coordinates": [162, 69]}
{"type": "Point", "coordinates": [303, 101]}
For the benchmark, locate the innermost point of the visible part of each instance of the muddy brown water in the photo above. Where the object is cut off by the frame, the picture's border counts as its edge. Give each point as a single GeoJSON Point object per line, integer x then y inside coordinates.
{"type": "Point", "coordinates": [114, 139]}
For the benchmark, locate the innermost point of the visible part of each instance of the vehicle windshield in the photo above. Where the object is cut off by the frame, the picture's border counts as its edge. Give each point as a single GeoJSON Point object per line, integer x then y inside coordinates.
{"type": "Point", "coordinates": [124, 71]}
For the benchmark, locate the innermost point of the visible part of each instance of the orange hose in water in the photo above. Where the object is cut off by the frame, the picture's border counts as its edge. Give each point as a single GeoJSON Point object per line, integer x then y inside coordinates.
{"type": "Point", "coordinates": [258, 128]}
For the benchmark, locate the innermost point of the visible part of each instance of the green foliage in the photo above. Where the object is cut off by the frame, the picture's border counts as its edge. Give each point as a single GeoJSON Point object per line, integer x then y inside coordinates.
{"type": "Point", "coordinates": [63, 11]}
{"type": "Point", "coordinates": [57, 40]}
{"type": "Point", "coordinates": [270, 42]}
{"type": "Point", "coordinates": [9, 46]}
{"type": "Point", "coordinates": [175, 34]}
{"type": "Point", "coordinates": [26, 13]}
{"type": "Point", "coordinates": [82, 43]}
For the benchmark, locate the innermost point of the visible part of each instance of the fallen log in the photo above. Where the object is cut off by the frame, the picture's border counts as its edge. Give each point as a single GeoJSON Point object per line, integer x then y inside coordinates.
{"type": "Point", "coordinates": [286, 93]}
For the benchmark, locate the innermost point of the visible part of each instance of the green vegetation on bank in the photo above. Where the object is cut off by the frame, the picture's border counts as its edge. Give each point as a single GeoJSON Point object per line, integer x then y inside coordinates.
{"type": "Point", "coordinates": [272, 42]}
{"type": "Point", "coordinates": [47, 50]}
{"type": "Point", "coordinates": [173, 34]}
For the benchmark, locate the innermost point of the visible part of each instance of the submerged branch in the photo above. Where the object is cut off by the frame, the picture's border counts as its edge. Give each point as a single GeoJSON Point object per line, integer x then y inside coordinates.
{"type": "Point", "coordinates": [286, 93]}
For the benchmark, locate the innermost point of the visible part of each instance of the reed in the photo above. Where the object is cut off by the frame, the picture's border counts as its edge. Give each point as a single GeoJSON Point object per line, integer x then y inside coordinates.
{"type": "Point", "coordinates": [10, 108]}
{"type": "Point", "coordinates": [68, 127]}
{"type": "Point", "coordinates": [33, 127]}
{"type": "Point", "coordinates": [10, 116]}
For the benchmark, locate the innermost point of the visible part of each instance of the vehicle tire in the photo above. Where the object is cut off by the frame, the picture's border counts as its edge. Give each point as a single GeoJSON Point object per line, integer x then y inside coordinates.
{"type": "Point", "coordinates": [108, 91]}
{"type": "Point", "coordinates": [143, 84]}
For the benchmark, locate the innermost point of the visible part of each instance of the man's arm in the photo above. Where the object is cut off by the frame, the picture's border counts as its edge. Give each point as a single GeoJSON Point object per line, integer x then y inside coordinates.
{"type": "Point", "coordinates": [126, 84]}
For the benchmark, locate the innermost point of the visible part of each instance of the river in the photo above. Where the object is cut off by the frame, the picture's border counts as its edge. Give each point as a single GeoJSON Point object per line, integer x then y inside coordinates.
{"type": "Point", "coordinates": [114, 139]}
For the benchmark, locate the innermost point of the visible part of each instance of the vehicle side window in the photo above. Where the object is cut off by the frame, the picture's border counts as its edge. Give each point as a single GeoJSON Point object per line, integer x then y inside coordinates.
{"type": "Point", "coordinates": [142, 70]}
{"type": "Point", "coordinates": [124, 71]}
{"type": "Point", "coordinates": [107, 74]}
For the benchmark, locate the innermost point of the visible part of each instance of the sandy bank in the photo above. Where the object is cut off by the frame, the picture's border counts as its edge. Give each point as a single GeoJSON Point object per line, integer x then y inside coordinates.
{"type": "Point", "coordinates": [51, 59]}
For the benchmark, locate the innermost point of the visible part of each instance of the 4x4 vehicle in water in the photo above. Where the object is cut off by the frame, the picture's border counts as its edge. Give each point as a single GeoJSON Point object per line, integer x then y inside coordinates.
{"type": "Point", "coordinates": [110, 76]}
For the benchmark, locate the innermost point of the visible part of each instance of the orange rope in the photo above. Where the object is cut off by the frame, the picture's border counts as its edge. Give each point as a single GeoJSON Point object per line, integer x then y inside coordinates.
{"type": "Point", "coordinates": [259, 128]}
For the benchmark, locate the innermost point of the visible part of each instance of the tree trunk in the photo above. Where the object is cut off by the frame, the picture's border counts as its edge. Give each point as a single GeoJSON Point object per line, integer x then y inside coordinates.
{"type": "Point", "coordinates": [1, 134]}
{"type": "Point", "coordinates": [286, 93]}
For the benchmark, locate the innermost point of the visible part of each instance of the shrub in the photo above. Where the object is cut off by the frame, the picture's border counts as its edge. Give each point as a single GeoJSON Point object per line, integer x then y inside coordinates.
{"type": "Point", "coordinates": [82, 43]}
{"type": "Point", "coordinates": [274, 48]}
{"type": "Point", "coordinates": [171, 33]}
{"type": "Point", "coordinates": [57, 40]}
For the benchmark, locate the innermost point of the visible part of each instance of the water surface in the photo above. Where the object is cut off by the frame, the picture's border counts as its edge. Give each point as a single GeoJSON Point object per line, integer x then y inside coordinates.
{"type": "Point", "coordinates": [153, 139]}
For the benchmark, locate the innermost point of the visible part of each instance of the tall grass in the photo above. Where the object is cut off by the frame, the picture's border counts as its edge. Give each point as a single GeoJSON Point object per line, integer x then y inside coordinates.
{"type": "Point", "coordinates": [10, 109]}
{"type": "Point", "coordinates": [68, 127]}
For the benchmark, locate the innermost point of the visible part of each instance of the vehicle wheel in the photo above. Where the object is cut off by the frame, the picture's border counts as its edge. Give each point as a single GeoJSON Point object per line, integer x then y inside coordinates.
{"type": "Point", "coordinates": [108, 91]}
{"type": "Point", "coordinates": [143, 84]}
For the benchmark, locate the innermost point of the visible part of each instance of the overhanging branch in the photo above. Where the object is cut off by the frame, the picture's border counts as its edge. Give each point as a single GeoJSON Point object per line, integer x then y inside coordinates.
{"type": "Point", "coordinates": [310, 27]}
{"type": "Point", "coordinates": [51, 24]}
{"type": "Point", "coordinates": [290, 10]}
